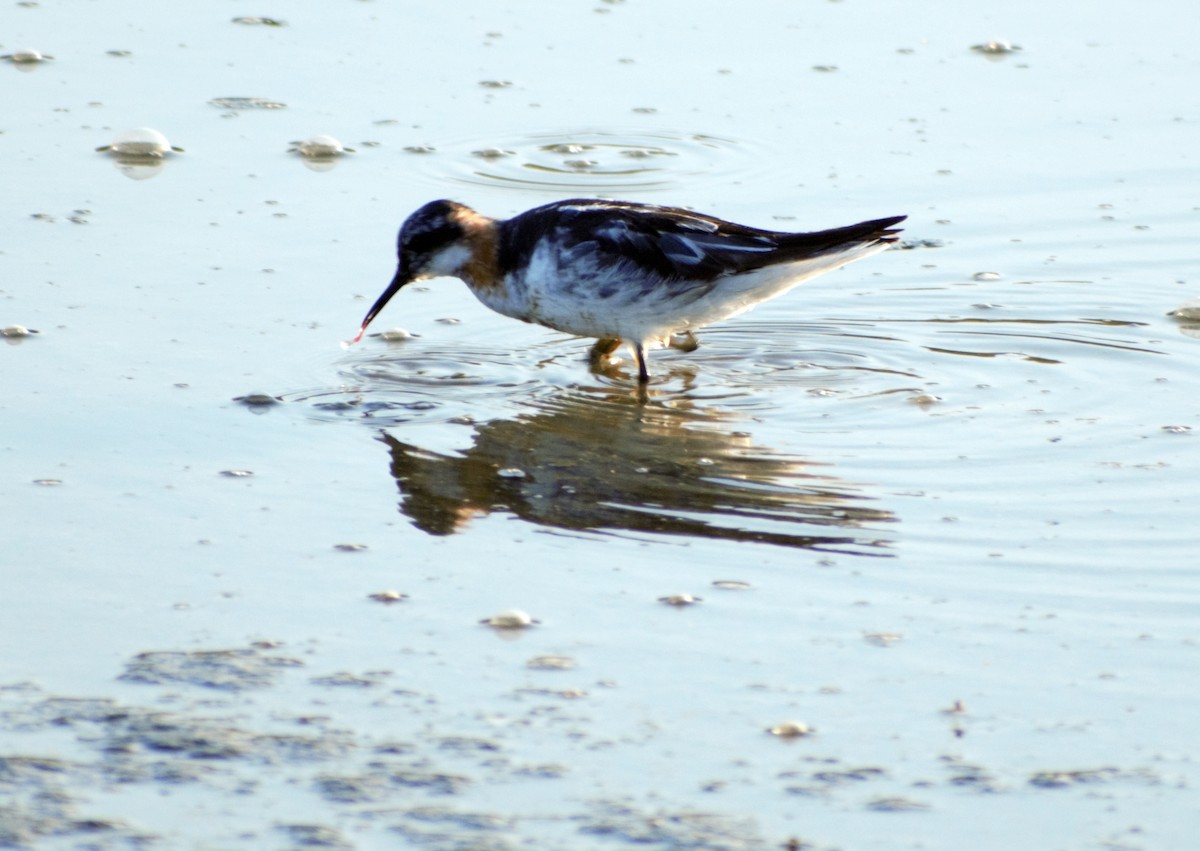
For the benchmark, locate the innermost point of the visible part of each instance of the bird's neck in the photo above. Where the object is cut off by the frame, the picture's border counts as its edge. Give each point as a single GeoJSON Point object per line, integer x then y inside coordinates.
{"type": "Point", "coordinates": [481, 267]}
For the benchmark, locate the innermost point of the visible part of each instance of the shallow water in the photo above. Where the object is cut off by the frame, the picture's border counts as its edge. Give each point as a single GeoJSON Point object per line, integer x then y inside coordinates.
{"type": "Point", "coordinates": [959, 507]}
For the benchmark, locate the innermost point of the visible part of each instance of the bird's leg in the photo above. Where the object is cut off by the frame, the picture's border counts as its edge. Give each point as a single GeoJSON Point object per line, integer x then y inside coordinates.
{"type": "Point", "coordinates": [639, 351]}
{"type": "Point", "coordinates": [603, 349]}
{"type": "Point", "coordinates": [685, 341]}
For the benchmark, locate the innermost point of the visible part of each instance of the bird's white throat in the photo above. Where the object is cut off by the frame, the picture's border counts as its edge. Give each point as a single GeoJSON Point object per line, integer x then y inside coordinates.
{"type": "Point", "coordinates": [448, 262]}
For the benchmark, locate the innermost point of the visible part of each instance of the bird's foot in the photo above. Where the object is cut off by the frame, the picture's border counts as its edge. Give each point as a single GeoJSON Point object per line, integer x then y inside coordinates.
{"type": "Point", "coordinates": [685, 341]}
{"type": "Point", "coordinates": [600, 355]}
{"type": "Point", "coordinates": [601, 361]}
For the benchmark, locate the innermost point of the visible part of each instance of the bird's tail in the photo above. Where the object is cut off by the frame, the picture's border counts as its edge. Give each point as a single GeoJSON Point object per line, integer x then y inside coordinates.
{"type": "Point", "coordinates": [812, 254]}
{"type": "Point", "coordinates": [871, 236]}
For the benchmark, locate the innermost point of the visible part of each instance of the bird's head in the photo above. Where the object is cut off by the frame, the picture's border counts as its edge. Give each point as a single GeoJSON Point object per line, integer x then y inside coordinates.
{"type": "Point", "coordinates": [432, 242]}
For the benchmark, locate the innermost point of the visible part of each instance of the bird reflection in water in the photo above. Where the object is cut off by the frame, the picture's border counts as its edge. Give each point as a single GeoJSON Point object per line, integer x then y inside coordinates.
{"type": "Point", "coordinates": [615, 466]}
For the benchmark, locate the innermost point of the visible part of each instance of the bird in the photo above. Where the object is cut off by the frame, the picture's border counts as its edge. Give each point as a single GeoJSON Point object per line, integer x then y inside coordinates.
{"type": "Point", "coordinates": [625, 273]}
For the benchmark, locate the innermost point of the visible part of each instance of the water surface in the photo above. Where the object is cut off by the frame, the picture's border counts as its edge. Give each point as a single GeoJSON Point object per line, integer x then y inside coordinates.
{"type": "Point", "coordinates": [939, 505]}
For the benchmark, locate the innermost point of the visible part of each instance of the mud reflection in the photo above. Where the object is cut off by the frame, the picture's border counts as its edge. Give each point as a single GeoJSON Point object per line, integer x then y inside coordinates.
{"type": "Point", "coordinates": [616, 466]}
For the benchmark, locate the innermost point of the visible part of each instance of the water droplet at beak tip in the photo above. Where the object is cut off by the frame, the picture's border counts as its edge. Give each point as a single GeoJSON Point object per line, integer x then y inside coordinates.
{"type": "Point", "coordinates": [357, 337]}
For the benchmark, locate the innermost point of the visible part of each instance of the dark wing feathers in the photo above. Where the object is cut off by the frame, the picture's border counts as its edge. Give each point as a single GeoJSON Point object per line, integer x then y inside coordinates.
{"type": "Point", "coordinates": [671, 244]}
{"type": "Point", "coordinates": [671, 249]}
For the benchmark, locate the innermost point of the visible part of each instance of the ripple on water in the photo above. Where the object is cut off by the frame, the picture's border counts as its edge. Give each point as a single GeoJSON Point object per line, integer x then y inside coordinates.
{"type": "Point", "coordinates": [820, 359]}
{"type": "Point", "coordinates": [429, 383]}
{"type": "Point", "coordinates": [590, 161]}
{"type": "Point", "coordinates": [748, 365]}
{"type": "Point", "coordinates": [736, 366]}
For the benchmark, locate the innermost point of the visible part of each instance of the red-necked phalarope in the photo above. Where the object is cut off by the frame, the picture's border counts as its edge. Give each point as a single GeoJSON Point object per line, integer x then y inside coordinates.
{"type": "Point", "coordinates": [622, 272]}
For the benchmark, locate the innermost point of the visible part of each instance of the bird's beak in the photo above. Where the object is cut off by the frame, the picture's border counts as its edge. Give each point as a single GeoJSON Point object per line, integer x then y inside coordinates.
{"type": "Point", "coordinates": [394, 287]}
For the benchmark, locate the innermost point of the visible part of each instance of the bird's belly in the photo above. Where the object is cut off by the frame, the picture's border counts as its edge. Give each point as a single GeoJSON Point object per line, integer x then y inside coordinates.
{"type": "Point", "coordinates": [543, 295]}
{"type": "Point", "coordinates": [630, 307]}
{"type": "Point", "coordinates": [604, 312]}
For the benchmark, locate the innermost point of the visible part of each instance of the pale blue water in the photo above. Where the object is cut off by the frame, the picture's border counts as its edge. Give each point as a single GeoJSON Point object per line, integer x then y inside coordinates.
{"type": "Point", "coordinates": [939, 488]}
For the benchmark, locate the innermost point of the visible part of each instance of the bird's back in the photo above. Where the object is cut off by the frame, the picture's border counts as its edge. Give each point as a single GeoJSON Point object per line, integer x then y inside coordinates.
{"type": "Point", "coordinates": [639, 272]}
{"type": "Point", "coordinates": [668, 244]}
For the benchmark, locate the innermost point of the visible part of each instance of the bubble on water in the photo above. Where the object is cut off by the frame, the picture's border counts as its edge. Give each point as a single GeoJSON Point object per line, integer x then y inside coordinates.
{"type": "Point", "coordinates": [551, 663]}
{"type": "Point", "coordinates": [680, 600]}
{"type": "Point", "coordinates": [139, 153]}
{"type": "Point", "coordinates": [510, 619]}
{"type": "Point", "coordinates": [986, 276]}
{"type": "Point", "coordinates": [882, 639]}
{"type": "Point", "coordinates": [389, 596]}
{"type": "Point", "coordinates": [791, 730]}
{"type": "Point", "coordinates": [26, 59]}
{"type": "Point", "coordinates": [139, 142]}
{"type": "Point", "coordinates": [395, 335]}
{"type": "Point", "coordinates": [261, 400]}
{"type": "Point", "coordinates": [319, 147]}
{"type": "Point", "coordinates": [493, 153]}
{"type": "Point", "coordinates": [996, 47]}
{"type": "Point", "coordinates": [320, 153]}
